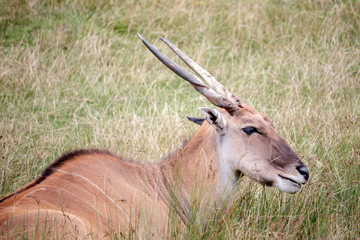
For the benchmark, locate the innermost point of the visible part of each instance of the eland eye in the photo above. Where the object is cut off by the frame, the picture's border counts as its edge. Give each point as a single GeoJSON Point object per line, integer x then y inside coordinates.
{"type": "Point", "coordinates": [250, 130]}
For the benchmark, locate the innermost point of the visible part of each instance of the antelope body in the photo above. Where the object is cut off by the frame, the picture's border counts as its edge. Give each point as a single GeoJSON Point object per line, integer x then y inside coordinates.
{"type": "Point", "coordinates": [92, 193]}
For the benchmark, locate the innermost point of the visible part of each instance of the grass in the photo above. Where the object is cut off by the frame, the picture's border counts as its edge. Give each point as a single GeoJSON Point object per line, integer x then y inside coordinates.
{"type": "Point", "coordinates": [73, 74]}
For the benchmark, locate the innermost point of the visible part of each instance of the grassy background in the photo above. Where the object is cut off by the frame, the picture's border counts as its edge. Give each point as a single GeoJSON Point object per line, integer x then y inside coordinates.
{"type": "Point", "coordinates": [73, 74]}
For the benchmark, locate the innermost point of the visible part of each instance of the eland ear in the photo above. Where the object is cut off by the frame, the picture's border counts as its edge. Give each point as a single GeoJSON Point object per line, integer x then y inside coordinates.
{"type": "Point", "coordinates": [196, 120]}
{"type": "Point", "coordinates": [214, 117]}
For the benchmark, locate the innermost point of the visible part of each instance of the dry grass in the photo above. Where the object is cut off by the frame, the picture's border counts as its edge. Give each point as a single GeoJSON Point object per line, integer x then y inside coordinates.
{"type": "Point", "coordinates": [73, 75]}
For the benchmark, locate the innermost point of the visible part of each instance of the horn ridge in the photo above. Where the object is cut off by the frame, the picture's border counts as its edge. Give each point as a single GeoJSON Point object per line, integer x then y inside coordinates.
{"type": "Point", "coordinates": [213, 96]}
{"type": "Point", "coordinates": [204, 74]}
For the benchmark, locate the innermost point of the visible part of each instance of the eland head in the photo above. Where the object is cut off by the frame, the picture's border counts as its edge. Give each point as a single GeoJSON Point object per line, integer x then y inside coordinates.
{"type": "Point", "coordinates": [247, 141]}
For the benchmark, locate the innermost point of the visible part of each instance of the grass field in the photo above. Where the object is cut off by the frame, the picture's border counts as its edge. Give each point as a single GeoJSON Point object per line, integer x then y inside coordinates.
{"type": "Point", "coordinates": [73, 75]}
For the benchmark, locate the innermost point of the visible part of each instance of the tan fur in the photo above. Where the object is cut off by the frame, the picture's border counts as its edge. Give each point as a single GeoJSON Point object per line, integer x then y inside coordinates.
{"type": "Point", "coordinates": [93, 193]}
{"type": "Point", "coordinates": [96, 192]}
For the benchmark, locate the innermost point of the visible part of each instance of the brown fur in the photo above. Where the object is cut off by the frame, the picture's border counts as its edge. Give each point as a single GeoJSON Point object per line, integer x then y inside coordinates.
{"type": "Point", "coordinates": [94, 191]}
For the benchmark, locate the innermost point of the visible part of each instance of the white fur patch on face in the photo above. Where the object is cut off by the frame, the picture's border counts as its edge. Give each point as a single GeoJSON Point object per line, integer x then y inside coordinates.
{"type": "Point", "coordinates": [286, 185]}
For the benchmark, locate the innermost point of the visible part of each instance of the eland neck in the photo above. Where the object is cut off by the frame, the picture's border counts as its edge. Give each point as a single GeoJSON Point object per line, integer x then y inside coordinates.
{"type": "Point", "coordinates": [199, 163]}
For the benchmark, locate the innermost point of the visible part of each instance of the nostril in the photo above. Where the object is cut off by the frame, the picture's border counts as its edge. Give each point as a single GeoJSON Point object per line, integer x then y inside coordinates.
{"type": "Point", "coordinates": [303, 171]}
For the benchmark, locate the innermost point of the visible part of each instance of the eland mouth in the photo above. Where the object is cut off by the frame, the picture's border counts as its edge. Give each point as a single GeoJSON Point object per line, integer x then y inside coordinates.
{"type": "Point", "coordinates": [289, 185]}
{"type": "Point", "coordinates": [291, 180]}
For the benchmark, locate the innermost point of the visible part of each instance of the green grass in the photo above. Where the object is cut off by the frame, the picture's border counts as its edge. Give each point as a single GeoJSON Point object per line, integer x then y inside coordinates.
{"type": "Point", "coordinates": [73, 74]}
